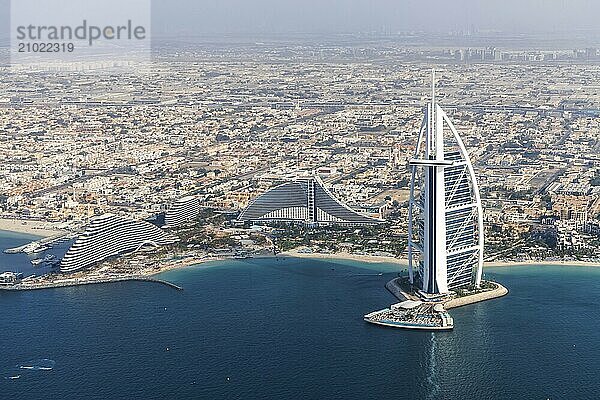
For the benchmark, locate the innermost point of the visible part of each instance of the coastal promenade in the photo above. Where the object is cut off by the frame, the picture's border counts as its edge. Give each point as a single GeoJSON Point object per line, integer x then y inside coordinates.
{"type": "Point", "coordinates": [38, 285]}
{"type": "Point", "coordinates": [395, 287]}
{"type": "Point", "coordinates": [499, 291]}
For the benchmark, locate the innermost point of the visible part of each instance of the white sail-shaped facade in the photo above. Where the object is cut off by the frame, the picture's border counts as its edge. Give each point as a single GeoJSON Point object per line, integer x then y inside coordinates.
{"type": "Point", "coordinates": [445, 248]}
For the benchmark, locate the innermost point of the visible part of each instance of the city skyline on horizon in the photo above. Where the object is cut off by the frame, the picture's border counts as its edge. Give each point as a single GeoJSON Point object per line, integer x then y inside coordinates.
{"type": "Point", "coordinates": [271, 19]}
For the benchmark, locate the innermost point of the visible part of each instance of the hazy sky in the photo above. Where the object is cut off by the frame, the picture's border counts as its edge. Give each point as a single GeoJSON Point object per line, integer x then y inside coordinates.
{"type": "Point", "coordinates": [341, 16]}
{"type": "Point", "coordinates": [272, 17]}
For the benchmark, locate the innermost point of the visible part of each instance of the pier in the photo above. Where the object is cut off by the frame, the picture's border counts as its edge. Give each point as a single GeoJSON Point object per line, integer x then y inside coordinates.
{"type": "Point", "coordinates": [37, 285]}
{"type": "Point", "coordinates": [161, 281]}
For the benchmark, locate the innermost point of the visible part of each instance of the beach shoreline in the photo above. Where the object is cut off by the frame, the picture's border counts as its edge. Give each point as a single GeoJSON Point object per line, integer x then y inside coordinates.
{"type": "Point", "coordinates": [30, 227]}
{"type": "Point", "coordinates": [565, 263]}
{"type": "Point", "coordinates": [345, 256]}
{"type": "Point", "coordinates": [105, 274]}
{"type": "Point", "coordinates": [404, 262]}
{"type": "Point", "coordinates": [181, 264]}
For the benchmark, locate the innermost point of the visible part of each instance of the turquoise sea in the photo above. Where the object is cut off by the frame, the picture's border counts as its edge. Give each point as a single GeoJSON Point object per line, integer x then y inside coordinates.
{"type": "Point", "coordinates": [293, 328]}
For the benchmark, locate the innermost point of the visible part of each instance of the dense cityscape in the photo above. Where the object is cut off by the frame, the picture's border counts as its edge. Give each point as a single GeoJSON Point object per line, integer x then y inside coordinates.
{"type": "Point", "coordinates": [228, 125]}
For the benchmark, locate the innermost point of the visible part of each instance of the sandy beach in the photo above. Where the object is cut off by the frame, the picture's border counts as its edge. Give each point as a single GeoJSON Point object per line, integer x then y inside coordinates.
{"type": "Point", "coordinates": [345, 256]}
{"type": "Point", "coordinates": [30, 227]}
{"type": "Point", "coordinates": [404, 262]}
{"type": "Point", "coordinates": [183, 263]}
{"type": "Point", "coordinates": [573, 263]}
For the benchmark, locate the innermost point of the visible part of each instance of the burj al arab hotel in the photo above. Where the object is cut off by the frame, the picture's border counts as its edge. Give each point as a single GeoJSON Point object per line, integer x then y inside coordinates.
{"type": "Point", "coordinates": [445, 228]}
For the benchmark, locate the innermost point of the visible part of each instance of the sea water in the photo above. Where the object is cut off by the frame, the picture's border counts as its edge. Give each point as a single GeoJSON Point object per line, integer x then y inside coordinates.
{"type": "Point", "coordinates": [292, 328]}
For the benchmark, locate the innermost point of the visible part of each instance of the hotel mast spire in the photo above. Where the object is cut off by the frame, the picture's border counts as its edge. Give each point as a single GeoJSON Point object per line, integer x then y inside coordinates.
{"type": "Point", "coordinates": [433, 88]}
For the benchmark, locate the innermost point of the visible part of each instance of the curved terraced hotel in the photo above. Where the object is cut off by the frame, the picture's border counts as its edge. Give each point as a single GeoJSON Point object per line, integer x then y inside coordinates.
{"type": "Point", "coordinates": [182, 211]}
{"type": "Point", "coordinates": [304, 200]}
{"type": "Point", "coordinates": [110, 235]}
{"type": "Point", "coordinates": [445, 249]}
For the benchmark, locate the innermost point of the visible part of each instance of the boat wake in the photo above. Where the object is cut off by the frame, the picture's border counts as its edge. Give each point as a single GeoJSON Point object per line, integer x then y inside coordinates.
{"type": "Point", "coordinates": [42, 364]}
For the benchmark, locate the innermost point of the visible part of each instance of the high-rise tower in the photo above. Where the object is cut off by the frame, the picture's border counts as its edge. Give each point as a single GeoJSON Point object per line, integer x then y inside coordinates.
{"type": "Point", "coordinates": [445, 229]}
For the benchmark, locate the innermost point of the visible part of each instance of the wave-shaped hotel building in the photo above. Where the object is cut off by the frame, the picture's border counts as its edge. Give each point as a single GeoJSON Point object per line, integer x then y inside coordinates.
{"type": "Point", "coordinates": [109, 235]}
{"type": "Point", "coordinates": [445, 249]}
{"type": "Point", "coordinates": [304, 200]}
{"type": "Point", "coordinates": [182, 211]}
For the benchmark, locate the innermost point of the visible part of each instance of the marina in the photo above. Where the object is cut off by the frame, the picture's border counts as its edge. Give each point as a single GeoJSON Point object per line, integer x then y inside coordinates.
{"type": "Point", "coordinates": [38, 246]}
{"type": "Point", "coordinates": [49, 259]}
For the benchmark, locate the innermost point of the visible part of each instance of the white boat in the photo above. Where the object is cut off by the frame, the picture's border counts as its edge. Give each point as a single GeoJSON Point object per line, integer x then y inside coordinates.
{"type": "Point", "coordinates": [48, 259]}
{"type": "Point", "coordinates": [34, 247]}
